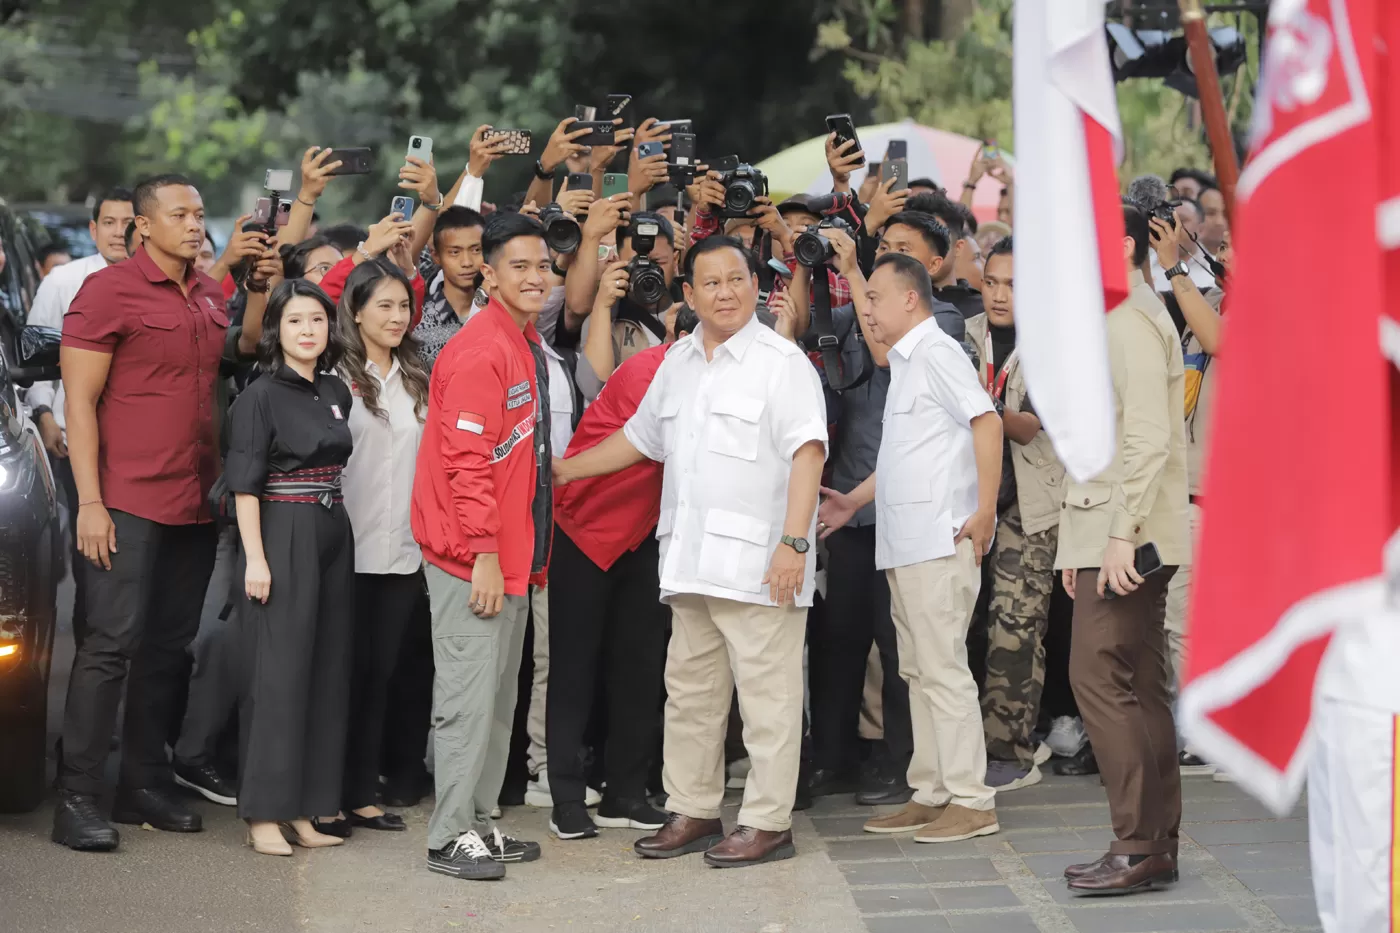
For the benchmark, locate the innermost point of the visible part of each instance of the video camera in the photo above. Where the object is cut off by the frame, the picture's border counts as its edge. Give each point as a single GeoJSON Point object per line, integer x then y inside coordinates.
{"type": "Point", "coordinates": [743, 185]}
{"type": "Point", "coordinates": [646, 281]}
{"type": "Point", "coordinates": [812, 248]}
{"type": "Point", "coordinates": [561, 232]}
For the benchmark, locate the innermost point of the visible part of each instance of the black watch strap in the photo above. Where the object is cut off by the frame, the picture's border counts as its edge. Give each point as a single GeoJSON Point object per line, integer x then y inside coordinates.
{"type": "Point", "coordinates": [540, 173]}
{"type": "Point", "coordinates": [1178, 269]}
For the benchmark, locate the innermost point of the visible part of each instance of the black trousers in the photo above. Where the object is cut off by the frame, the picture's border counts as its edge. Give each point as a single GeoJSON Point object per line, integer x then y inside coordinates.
{"type": "Point", "coordinates": [386, 606]}
{"type": "Point", "coordinates": [63, 472]}
{"type": "Point", "coordinates": [856, 610]}
{"type": "Point", "coordinates": [610, 620]}
{"type": "Point", "coordinates": [144, 611]}
{"type": "Point", "coordinates": [409, 713]}
{"type": "Point", "coordinates": [298, 649]}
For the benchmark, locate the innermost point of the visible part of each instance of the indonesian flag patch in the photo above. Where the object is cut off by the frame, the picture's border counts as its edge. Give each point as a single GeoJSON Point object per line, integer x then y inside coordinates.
{"type": "Point", "coordinates": [471, 421]}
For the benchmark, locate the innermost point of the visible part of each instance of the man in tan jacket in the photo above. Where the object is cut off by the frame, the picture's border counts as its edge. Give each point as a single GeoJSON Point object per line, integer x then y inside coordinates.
{"type": "Point", "coordinates": [1118, 662]}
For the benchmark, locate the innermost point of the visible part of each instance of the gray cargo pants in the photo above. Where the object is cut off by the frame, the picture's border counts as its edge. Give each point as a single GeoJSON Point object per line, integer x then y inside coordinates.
{"type": "Point", "coordinates": [474, 691]}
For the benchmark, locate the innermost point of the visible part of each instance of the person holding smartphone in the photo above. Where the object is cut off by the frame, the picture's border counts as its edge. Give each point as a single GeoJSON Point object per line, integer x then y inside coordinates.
{"type": "Point", "coordinates": [1117, 658]}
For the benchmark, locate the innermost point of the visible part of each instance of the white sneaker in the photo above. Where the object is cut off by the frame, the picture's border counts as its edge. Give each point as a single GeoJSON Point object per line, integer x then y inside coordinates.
{"type": "Point", "coordinates": [1067, 736]}
{"type": "Point", "coordinates": [1042, 753]}
{"type": "Point", "coordinates": [738, 774]}
{"type": "Point", "coordinates": [1220, 777]}
{"type": "Point", "coordinates": [495, 813]}
{"type": "Point", "coordinates": [537, 794]}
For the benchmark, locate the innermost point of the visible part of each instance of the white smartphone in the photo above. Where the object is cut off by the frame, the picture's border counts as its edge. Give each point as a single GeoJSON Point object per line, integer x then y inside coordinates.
{"type": "Point", "coordinates": [421, 147]}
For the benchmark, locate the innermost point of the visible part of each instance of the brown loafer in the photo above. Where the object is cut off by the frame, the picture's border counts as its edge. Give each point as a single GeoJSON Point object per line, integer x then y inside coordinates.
{"type": "Point", "coordinates": [1074, 871]}
{"type": "Point", "coordinates": [1114, 875]}
{"type": "Point", "coordinates": [681, 835]}
{"type": "Point", "coordinates": [749, 846]}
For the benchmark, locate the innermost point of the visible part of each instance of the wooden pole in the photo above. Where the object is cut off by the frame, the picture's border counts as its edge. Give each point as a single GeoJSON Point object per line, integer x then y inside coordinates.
{"type": "Point", "coordinates": [1222, 142]}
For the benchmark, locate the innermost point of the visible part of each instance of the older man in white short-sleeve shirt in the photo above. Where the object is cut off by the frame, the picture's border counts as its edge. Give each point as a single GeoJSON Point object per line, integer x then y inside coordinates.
{"type": "Point", "coordinates": [736, 414]}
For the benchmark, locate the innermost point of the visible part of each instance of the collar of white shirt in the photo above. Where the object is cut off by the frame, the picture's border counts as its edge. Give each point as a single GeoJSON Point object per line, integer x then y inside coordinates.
{"type": "Point", "coordinates": [906, 345]}
{"type": "Point", "coordinates": [372, 368]}
{"type": "Point", "coordinates": [737, 344]}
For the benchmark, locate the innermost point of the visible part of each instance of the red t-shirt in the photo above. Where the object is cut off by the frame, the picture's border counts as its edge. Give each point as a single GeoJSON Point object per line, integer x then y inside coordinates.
{"type": "Point", "coordinates": [607, 516]}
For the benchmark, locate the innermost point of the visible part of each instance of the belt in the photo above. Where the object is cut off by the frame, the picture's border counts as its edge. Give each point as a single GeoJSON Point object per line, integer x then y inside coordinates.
{"type": "Point", "coordinates": [312, 486]}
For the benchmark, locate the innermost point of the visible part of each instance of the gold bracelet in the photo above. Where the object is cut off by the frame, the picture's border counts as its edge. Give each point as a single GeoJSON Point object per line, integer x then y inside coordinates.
{"type": "Point", "coordinates": [90, 502]}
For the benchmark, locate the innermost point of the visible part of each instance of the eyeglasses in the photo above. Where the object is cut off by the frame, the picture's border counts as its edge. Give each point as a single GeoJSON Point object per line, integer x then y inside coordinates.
{"type": "Point", "coordinates": [321, 268]}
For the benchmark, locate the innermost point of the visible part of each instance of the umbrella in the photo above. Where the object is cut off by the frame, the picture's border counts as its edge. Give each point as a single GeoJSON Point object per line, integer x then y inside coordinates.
{"type": "Point", "coordinates": [937, 154]}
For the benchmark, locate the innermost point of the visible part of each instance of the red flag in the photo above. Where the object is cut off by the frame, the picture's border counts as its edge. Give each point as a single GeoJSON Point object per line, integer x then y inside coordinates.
{"type": "Point", "coordinates": [1298, 493]}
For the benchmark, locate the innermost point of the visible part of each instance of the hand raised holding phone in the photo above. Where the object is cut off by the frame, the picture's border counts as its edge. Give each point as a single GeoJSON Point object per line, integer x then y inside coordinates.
{"type": "Point", "coordinates": [317, 169]}
{"type": "Point", "coordinates": [484, 151]}
{"type": "Point", "coordinates": [385, 235]}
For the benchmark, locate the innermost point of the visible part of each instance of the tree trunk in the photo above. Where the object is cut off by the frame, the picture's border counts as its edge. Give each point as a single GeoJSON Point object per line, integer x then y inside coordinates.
{"type": "Point", "coordinates": [955, 16]}
{"type": "Point", "coordinates": [915, 27]}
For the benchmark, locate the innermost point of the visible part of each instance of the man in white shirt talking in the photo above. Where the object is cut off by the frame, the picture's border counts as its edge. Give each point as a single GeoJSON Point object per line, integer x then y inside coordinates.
{"type": "Point", "coordinates": [736, 414]}
{"type": "Point", "coordinates": [935, 492]}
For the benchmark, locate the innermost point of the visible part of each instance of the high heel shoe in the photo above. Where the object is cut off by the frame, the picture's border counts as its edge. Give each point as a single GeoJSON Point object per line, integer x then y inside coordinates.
{"type": "Point", "coordinates": [317, 840]}
{"type": "Point", "coordinates": [268, 848]}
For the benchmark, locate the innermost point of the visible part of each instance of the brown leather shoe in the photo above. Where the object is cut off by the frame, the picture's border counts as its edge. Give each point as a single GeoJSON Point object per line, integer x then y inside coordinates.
{"type": "Point", "coordinates": [681, 835]}
{"type": "Point", "coordinates": [1113, 875]}
{"type": "Point", "coordinates": [749, 846]}
{"type": "Point", "coordinates": [1074, 871]}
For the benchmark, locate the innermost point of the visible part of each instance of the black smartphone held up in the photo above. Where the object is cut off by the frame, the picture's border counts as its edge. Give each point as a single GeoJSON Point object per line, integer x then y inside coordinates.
{"type": "Point", "coordinates": [897, 149]}
{"type": "Point", "coordinates": [583, 113]}
{"type": "Point", "coordinates": [600, 132]}
{"type": "Point", "coordinates": [898, 169]}
{"type": "Point", "coordinates": [615, 105]}
{"type": "Point", "coordinates": [354, 160]}
{"type": "Point", "coordinates": [1146, 561]}
{"type": "Point", "coordinates": [844, 128]}
{"type": "Point", "coordinates": [578, 181]}
{"type": "Point", "coordinates": [679, 126]}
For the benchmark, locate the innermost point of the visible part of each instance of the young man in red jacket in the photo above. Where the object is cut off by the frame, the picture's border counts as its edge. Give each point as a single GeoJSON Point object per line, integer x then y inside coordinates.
{"type": "Point", "coordinates": [482, 514]}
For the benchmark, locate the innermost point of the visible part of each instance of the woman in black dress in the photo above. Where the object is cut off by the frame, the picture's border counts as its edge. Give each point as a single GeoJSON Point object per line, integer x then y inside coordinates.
{"type": "Point", "coordinates": [290, 439]}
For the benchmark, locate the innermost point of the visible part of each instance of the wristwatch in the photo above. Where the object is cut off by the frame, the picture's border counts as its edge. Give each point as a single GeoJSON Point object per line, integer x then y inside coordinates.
{"type": "Point", "coordinates": [800, 545]}
{"type": "Point", "coordinates": [1178, 269]}
{"type": "Point", "coordinates": [540, 172]}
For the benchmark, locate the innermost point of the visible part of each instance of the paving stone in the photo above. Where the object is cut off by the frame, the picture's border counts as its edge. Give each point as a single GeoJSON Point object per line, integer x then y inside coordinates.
{"type": "Point", "coordinates": [1295, 911]}
{"type": "Point", "coordinates": [1085, 816]}
{"type": "Point", "coordinates": [891, 900]}
{"type": "Point", "coordinates": [1189, 888]}
{"type": "Point", "coordinates": [874, 873]}
{"type": "Point", "coordinates": [1261, 856]}
{"type": "Point", "coordinates": [839, 825]}
{"type": "Point", "coordinates": [1053, 865]}
{"type": "Point", "coordinates": [863, 848]}
{"type": "Point", "coordinates": [1286, 883]}
{"type": "Point", "coordinates": [1054, 841]}
{"type": "Point", "coordinates": [1000, 922]}
{"type": "Point", "coordinates": [1206, 811]}
{"type": "Point", "coordinates": [957, 869]}
{"type": "Point", "coordinates": [1211, 834]}
{"type": "Point", "coordinates": [976, 896]}
{"type": "Point", "coordinates": [1029, 818]}
{"type": "Point", "coordinates": [1197, 918]}
{"type": "Point", "coordinates": [925, 923]}
{"type": "Point", "coordinates": [966, 847]}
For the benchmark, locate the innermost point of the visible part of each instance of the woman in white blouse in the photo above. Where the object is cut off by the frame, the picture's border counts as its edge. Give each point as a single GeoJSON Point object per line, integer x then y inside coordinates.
{"type": "Point", "coordinates": [390, 385]}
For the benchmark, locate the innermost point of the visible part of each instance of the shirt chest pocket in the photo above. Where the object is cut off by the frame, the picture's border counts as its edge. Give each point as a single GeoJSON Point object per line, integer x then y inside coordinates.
{"type": "Point", "coordinates": [901, 417]}
{"type": "Point", "coordinates": [163, 333]}
{"type": "Point", "coordinates": [668, 419]}
{"type": "Point", "coordinates": [734, 550]}
{"type": "Point", "coordinates": [734, 426]}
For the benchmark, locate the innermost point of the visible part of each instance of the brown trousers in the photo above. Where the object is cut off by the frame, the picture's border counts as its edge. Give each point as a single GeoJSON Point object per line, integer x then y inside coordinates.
{"type": "Point", "coordinates": [1118, 669]}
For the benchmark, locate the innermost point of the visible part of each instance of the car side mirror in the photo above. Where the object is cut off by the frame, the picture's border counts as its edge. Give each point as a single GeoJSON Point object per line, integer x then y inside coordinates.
{"type": "Point", "coordinates": [38, 355]}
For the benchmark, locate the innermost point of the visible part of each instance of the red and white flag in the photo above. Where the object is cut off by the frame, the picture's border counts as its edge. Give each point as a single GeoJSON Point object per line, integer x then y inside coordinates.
{"type": "Point", "coordinates": [1299, 501]}
{"type": "Point", "coordinates": [1069, 223]}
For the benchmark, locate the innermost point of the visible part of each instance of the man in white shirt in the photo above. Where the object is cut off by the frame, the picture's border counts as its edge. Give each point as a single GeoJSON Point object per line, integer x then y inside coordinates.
{"type": "Point", "coordinates": [935, 492]}
{"type": "Point", "coordinates": [736, 414]}
{"type": "Point", "coordinates": [110, 218]}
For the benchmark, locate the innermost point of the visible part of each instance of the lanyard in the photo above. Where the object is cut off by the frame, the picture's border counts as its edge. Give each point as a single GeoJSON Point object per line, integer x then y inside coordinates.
{"type": "Point", "coordinates": [996, 382]}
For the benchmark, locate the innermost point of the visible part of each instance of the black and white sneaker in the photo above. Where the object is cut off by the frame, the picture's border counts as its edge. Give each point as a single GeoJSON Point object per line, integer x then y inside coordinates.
{"type": "Point", "coordinates": [629, 814]}
{"type": "Point", "coordinates": [571, 821]}
{"type": "Point", "coordinates": [466, 857]}
{"type": "Point", "coordinates": [505, 848]}
{"type": "Point", "coordinates": [206, 781]}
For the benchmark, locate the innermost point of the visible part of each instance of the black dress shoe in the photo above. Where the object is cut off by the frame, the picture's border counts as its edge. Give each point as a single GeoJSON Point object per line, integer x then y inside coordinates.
{"type": "Point", "coordinates": [340, 828]}
{"type": "Point", "coordinates": [157, 807]}
{"type": "Point", "coordinates": [1119, 874]}
{"type": "Point", "coordinates": [881, 789]}
{"type": "Point", "coordinates": [1081, 764]}
{"type": "Point", "coordinates": [406, 790]}
{"type": "Point", "coordinates": [826, 782]}
{"type": "Point", "coordinates": [386, 822]}
{"type": "Point", "coordinates": [78, 825]}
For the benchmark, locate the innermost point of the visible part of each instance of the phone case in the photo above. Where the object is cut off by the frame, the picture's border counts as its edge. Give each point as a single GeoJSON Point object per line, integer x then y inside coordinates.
{"type": "Point", "coordinates": [647, 150]}
{"type": "Point", "coordinates": [518, 140]}
{"type": "Point", "coordinates": [614, 183]}
{"type": "Point", "coordinates": [402, 205]}
{"type": "Point", "coordinates": [262, 211]}
{"type": "Point", "coordinates": [578, 181]}
{"type": "Point", "coordinates": [356, 160]}
{"type": "Point", "coordinates": [424, 149]}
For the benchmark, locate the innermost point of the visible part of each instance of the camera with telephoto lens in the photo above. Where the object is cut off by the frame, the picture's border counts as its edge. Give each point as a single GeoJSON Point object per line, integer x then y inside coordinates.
{"type": "Point", "coordinates": [561, 232]}
{"type": "Point", "coordinates": [812, 248]}
{"type": "Point", "coordinates": [646, 281]}
{"type": "Point", "coordinates": [743, 185]}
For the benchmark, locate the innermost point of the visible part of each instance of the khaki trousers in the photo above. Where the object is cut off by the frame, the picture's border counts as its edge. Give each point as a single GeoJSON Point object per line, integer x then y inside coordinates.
{"type": "Point", "coordinates": [1178, 593]}
{"type": "Point", "coordinates": [932, 604]}
{"type": "Point", "coordinates": [536, 757]}
{"type": "Point", "coordinates": [717, 644]}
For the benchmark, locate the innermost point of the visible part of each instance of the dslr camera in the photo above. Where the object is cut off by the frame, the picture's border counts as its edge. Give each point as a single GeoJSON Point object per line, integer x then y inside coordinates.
{"type": "Point", "coordinates": [646, 281]}
{"type": "Point", "coordinates": [1165, 211]}
{"type": "Point", "coordinates": [812, 248]}
{"type": "Point", "coordinates": [743, 185]}
{"type": "Point", "coordinates": [561, 232]}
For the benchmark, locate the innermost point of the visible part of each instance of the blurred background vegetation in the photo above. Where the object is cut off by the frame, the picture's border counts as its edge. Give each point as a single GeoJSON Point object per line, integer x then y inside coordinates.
{"type": "Point", "coordinates": [93, 94]}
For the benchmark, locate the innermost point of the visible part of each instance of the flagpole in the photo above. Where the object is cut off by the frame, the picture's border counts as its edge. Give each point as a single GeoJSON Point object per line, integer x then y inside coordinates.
{"type": "Point", "coordinates": [1222, 141]}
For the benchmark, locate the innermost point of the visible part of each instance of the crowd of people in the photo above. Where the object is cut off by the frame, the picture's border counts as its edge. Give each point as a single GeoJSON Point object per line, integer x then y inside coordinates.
{"type": "Point", "coordinates": [791, 527]}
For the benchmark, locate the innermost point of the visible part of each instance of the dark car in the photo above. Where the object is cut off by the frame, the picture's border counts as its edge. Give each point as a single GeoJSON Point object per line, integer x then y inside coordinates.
{"type": "Point", "coordinates": [31, 548]}
{"type": "Point", "coordinates": [60, 223]}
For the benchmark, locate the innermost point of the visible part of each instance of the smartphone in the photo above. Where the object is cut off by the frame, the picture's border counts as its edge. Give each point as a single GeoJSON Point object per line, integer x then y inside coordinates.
{"type": "Point", "coordinates": [647, 150]}
{"type": "Point", "coordinates": [897, 149]}
{"type": "Point", "coordinates": [420, 147]}
{"type": "Point", "coordinates": [583, 113]}
{"type": "Point", "coordinates": [680, 126]}
{"type": "Point", "coordinates": [683, 149]}
{"type": "Point", "coordinates": [402, 205]}
{"type": "Point", "coordinates": [615, 105]}
{"type": "Point", "coordinates": [354, 160]}
{"type": "Point", "coordinates": [990, 149]}
{"type": "Point", "coordinates": [284, 212]}
{"type": "Point", "coordinates": [1146, 561]}
{"type": "Point", "coordinates": [898, 169]}
{"type": "Point", "coordinates": [578, 181]}
{"type": "Point", "coordinates": [518, 140]}
{"type": "Point", "coordinates": [278, 179]}
{"type": "Point", "coordinates": [614, 183]}
{"type": "Point", "coordinates": [844, 129]}
{"type": "Point", "coordinates": [601, 132]}
{"type": "Point", "coordinates": [262, 212]}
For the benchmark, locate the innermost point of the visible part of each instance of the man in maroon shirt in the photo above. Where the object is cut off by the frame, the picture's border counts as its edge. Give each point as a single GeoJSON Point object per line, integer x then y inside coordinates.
{"type": "Point", "coordinates": [141, 348]}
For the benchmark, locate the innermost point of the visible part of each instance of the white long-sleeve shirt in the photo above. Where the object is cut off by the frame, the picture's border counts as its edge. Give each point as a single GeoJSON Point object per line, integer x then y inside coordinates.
{"type": "Point", "coordinates": [378, 479]}
{"type": "Point", "coordinates": [56, 292]}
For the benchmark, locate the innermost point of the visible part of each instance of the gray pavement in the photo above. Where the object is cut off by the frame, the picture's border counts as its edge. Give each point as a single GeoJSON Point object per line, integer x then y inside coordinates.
{"type": "Point", "coordinates": [1241, 871]}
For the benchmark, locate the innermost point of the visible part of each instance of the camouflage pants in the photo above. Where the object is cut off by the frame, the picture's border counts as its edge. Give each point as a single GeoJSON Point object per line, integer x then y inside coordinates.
{"type": "Point", "coordinates": [1023, 578]}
